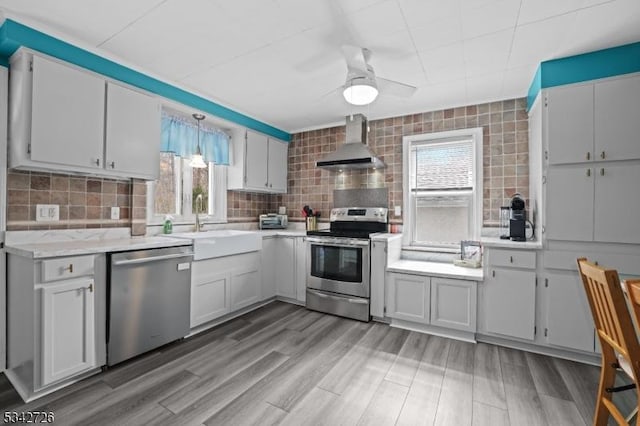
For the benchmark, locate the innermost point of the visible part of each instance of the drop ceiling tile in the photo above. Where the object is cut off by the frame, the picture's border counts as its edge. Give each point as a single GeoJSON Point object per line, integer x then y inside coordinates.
{"type": "Point", "coordinates": [309, 13]}
{"type": "Point", "coordinates": [444, 64]}
{"type": "Point", "coordinates": [376, 21]}
{"type": "Point", "coordinates": [91, 21]}
{"type": "Point", "coordinates": [488, 53]}
{"type": "Point", "coordinates": [489, 18]}
{"type": "Point", "coordinates": [517, 81]}
{"type": "Point", "coordinates": [420, 12]}
{"type": "Point", "coordinates": [484, 88]}
{"type": "Point", "coordinates": [537, 10]}
{"type": "Point", "coordinates": [617, 23]}
{"type": "Point", "coordinates": [437, 33]}
{"type": "Point", "coordinates": [539, 41]}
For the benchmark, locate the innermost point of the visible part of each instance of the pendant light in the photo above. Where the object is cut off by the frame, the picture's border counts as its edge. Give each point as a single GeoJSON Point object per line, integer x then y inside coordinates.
{"type": "Point", "coordinates": [196, 159]}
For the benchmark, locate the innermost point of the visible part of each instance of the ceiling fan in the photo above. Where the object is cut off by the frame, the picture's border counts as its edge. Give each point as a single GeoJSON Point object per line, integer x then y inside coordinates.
{"type": "Point", "coordinates": [362, 85]}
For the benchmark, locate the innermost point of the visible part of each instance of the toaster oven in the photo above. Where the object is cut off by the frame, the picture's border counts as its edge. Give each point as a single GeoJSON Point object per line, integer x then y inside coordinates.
{"type": "Point", "coordinates": [272, 221]}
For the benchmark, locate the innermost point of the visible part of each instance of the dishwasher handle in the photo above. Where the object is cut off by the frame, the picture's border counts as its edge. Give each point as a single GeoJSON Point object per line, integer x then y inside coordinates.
{"type": "Point", "coordinates": [150, 259]}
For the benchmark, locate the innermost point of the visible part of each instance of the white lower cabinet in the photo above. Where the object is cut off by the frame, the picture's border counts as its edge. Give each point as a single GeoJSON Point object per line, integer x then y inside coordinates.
{"type": "Point", "coordinates": [220, 286]}
{"type": "Point", "coordinates": [67, 327]}
{"type": "Point", "coordinates": [286, 267]}
{"type": "Point", "coordinates": [408, 297]}
{"type": "Point", "coordinates": [301, 269]}
{"type": "Point", "coordinates": [509, 302]}
{"type": "Point", "coordinates": [569, 319]}
{"type": "Point", "coordinates": [443, 302]}
{"type": "Point", "coordinates": [269, 256]}
{"type": "Point", "coordinates": [453, 303]}
{"type": "Point", "coordinates": [209, 297]}
{"type": "Point", "coordinates": [56, 320]}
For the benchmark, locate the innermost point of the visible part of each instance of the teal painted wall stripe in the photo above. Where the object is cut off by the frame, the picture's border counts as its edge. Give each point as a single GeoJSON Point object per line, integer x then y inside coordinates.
{"type": "Point", "coordinates": [13, 35]}
{"type": "Point", "coordinates": [587, 66]}
{"type": "Point", "coordinates": [535, 87]}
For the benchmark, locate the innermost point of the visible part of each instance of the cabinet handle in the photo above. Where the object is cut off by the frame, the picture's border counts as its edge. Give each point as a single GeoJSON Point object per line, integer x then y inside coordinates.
{"type": "Point", "coordinates": [91, 287]}
{"type": "Point", "coordinates": [602, 171]}
{"type": "Point", "coordinates": [69, 268]}
{"type": "Point", "coordinates": [270, 185]}
{"type": "Point", "coordinates": [97, 162]}
{"type": "Point", "coordinates": [588, 172]}
{"type": "Point", "coordinates": [266, 184]}
{"type": "Point", "coordinates": [112, 164]}
{"type": "Point", "coordinates": [588, 156]}
{"type": "Point", "coordinates": [602, 155]}
{"type": "Point", "coordinates": [493, 273]}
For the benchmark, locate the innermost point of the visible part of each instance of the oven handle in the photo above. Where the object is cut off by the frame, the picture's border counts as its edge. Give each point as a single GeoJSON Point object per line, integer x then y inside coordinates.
{"type": "Point", "coordinates": [326, 296]}
{"type": "Point", "coordinates": [348, 242]}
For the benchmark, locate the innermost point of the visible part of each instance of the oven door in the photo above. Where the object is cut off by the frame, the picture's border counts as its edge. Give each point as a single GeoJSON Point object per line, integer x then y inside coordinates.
{"type": "Point", "coordinates": [338, 265]}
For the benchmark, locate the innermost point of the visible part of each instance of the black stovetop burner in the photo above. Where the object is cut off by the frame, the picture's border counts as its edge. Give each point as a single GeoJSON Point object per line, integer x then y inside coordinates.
{"type": "Point", "coordinates": [354, 222]}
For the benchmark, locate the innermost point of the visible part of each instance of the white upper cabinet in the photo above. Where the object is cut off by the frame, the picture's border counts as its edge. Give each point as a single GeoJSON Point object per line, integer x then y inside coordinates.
{"type": "Point", "coordinates": [132, 132]}
{"type": "Point", "coordinates": [67, 115]}
{"type": "Point", "coordinates": [617, 119]}
{"type": "Point", "coordinates": [570, 201]}
{"type": "Point", "coordinates": [259, 163]}
{"type": "Point", "coordinates": [278, 152]}
{"type": "Point", "coordinates": [570, 124]}
{"type": "Point", "coordinates": [57, 121]}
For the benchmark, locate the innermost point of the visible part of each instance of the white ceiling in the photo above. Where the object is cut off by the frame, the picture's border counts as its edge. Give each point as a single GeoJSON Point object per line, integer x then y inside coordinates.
{"type": "Point", "coordinates": [276, 60]}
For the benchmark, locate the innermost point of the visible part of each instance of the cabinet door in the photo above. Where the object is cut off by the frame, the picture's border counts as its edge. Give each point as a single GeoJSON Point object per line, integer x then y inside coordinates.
{"type": "Point", "coordinates": [510, 302]}
{"type": "Point", "coordinates": [268, 258]}
{"type": "Point", "coordinates": [245, 287]}
{"type": "Point", "coordinates": [210, 297]}
{"type": "Point", "coordinates": [378, 267]}
{"type": "Point", "coordinates": [570, 124]}
{"type": "Point", "coordinates": [133, 133]}
{"type": "Point", "coordinates": [453, 304]}
{"type": "Point", "coordinates": [68, 328]}
{"type": "Point", "coordinates": [278, 153]}
{"type": "Point", "coordinates": [301, 269]}
{"type": "Point", "coordinates": [286, 267]}
{"type": "Point", "coordinates": [256, 160]}
{"type": "Point", "coordinates": [569, 201]}
{"type": "Point", "coordinates": [67, 120]}
{"type": "Point", "coordinates": [569, 320]}
{"type": "Point", "coordinates": [408, 297]}
{"type": "Point", "coordinates": [617, 119]}
{"type": "Point", "coordinates": [617, 203]}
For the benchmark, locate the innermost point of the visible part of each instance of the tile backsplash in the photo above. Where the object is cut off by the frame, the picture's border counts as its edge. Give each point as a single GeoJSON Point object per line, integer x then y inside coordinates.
{"type": "Point", "coordinates": [84, 202]}
{"type": "Point", "coordinates": [505, 157]}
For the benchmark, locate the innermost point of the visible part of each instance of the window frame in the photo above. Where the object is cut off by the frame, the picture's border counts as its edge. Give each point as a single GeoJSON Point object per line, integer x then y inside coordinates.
{"type": "Point", "coordinates": [409, 200]}
{"type": "Point", "coordinates": [217, 196]}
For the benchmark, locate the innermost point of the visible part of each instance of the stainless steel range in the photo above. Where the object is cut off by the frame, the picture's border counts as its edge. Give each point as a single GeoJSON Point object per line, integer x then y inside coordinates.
{"type": "Point", "coordinates": [338, 263]}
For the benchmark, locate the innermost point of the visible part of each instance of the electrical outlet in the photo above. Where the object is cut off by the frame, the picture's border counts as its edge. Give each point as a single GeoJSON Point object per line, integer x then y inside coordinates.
{"type": "Point", "coordinates": [47, 212]}
{"type": "Point", "coordinates": [115, 213]}
{"type": "Point", "coordinates": [397, 210]}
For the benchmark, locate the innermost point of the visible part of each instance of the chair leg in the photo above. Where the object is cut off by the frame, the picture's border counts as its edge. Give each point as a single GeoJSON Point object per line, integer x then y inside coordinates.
{"type": "Point", "coordinates": [607, 380]}
{"type": "Point", "coordinates": [632, 415]}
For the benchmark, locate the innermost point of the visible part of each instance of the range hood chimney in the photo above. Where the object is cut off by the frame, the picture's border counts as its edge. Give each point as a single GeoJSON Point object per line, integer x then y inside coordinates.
{"type": "Point", "coordinates": [354, 153]}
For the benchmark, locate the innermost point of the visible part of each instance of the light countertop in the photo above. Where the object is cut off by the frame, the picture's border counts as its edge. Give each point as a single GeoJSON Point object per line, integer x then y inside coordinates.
{"type": "Point", "coordinates": [497, 242]}
{"type": "Point", "coordinates": [435, 269]}
{"type": "Point", "coordinates": [78, 247]}
{"type": "Point", "coordinates": [282, 232]}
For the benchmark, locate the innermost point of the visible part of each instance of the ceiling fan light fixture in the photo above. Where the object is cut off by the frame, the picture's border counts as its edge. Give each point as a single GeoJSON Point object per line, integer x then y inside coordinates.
{"type": "Point", "coordinates": [360, 91]}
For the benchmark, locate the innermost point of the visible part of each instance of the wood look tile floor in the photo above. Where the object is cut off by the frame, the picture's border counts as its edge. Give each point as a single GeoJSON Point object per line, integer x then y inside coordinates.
{"type": "Point", "coordinates": [283, 364]}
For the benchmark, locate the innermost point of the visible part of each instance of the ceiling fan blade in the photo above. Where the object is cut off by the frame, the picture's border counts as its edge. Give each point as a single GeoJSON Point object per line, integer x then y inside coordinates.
{"type": "Point", "coordinates": [395, 88]}
{"type": "Point", "coordinates": [355, 58]}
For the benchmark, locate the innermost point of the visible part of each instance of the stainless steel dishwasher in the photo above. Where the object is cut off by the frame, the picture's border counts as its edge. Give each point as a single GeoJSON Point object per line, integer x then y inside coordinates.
{"type": "Point", "coordinates": [149, 300]}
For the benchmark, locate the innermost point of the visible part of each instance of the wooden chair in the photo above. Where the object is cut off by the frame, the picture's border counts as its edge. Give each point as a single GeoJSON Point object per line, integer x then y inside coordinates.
{"type": "Point", "coordinates": [617, 335]}
{"type": "Point", "coordinates": [633, 291]}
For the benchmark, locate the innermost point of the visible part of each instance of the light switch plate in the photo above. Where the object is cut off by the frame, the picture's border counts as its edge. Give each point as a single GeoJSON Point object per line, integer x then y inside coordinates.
{"type": "Point", "coordinates": [115, 213]}
{"type": "Point", "coordinates": [47, 212]}
{"type": "Point", "coordinates": [397, 210]}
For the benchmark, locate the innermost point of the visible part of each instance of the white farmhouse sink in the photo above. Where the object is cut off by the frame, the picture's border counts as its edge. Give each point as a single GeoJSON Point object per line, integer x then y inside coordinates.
{"type": "Point", "coordinates": [222, 242]}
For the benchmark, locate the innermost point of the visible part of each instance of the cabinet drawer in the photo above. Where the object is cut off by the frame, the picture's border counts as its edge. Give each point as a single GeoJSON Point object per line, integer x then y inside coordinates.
{"type": "Point", "coordinates": [512, 258]}
{"type": "Point", "coordinates": [66, 267]}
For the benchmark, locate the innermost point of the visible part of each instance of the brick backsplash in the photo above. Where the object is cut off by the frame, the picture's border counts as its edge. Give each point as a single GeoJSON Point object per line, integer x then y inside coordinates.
{"type": "Point", "coordinates": [505, 158]}
{"type": "Point", "coordinates": [84, 201]}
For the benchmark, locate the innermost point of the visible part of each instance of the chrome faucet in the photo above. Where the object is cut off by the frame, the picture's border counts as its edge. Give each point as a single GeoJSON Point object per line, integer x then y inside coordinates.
{"type": "Point", "coordinates": [198, 210]}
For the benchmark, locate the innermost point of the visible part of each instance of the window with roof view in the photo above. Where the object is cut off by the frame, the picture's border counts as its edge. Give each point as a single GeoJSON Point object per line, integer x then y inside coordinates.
{"type": "Point", "coordinates": [442, 185]}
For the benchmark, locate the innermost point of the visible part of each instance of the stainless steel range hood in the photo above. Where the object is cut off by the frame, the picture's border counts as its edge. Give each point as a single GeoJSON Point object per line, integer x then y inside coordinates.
{"type": "Point", "coordinates": [354, 153]}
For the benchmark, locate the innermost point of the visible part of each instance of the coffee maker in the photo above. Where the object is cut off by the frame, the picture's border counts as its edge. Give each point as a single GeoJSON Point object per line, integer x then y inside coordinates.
{"type": "Point", "coordinates": [517, 219]}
